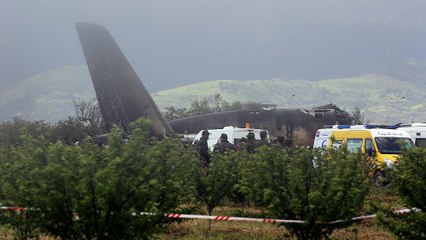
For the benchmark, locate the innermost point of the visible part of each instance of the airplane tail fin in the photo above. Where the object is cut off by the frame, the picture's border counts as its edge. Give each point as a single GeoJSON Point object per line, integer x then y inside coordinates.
{"type": "Point", "coordinates": [122, 96]}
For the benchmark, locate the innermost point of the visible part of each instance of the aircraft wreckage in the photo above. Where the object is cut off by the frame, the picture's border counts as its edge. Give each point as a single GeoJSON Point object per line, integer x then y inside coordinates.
{"type": "Point", "coordinates": [123, 98]}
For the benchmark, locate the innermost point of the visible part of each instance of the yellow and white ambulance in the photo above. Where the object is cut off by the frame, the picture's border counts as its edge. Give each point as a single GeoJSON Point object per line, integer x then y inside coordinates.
{"type": "Point", "coordinates": [382, 146]}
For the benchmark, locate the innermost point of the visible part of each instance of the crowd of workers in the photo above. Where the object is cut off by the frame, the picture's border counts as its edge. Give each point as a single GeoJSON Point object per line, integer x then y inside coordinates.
{"type": "Point", "coordinates": [248, 144]}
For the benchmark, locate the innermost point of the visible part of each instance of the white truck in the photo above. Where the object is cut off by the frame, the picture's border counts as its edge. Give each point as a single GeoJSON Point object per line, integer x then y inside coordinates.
{"type": "Point", "coordinates": [234, 135]}
{"type": "Point", "coordinates": [417, 132]}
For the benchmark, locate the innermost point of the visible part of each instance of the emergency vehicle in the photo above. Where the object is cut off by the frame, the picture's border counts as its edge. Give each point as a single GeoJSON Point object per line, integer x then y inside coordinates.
{"type": "Point", "coordinates": [417, 132]}
{"type": "Point", "coordinates": [382, 144]}
{"type": "Point", "coordinates": [322, 136]}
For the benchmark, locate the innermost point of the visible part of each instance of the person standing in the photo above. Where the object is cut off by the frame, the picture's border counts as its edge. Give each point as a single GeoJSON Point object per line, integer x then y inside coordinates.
{"type": "Point", "coordinates": [223, 145]}
{"type": "Point", "coordinates": [203, 148]}
{"type": "Point", "coordinates": [251, 144]}
{"type": "Point", "coordinates": [241, 145]}
{"type": "Point", "coordinates": [263, 139]}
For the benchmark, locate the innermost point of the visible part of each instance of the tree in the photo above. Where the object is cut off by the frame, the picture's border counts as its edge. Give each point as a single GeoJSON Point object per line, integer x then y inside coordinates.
{"type": "Point", "coordinates": [253, 182]}
{"type": "Point", "coordinates": [206, 105]}
{"type": "Point", "coordinates": [11, 131]}
{"type": "Point", "coordinates": [409, 178]}
{"type": "Point", "coordinates": [172, 113]}
{"type": "Point", "coordinates": [71, 130]}
{"type": "Point", "coordinates": [292, 187]}
{"type": "Point", "coordinates": [86, 192]}
{"type": "Point", "coordinates": [358, 118]}
{"type": "Point", "coordinates": [216, 181]}
{"type": "Point", "coordinates": [90, 115]}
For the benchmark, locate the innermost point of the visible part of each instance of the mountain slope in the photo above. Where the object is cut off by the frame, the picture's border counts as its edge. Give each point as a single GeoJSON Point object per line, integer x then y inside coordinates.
{"type": "Point", "coordinates": [381, 98]}
{"type": "Point", "coordinates": [49, 95]}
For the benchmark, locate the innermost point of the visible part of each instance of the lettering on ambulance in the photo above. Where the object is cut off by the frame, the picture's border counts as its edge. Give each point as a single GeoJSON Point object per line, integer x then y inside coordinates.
{"type": "Point", "coordinates": [337, 143]}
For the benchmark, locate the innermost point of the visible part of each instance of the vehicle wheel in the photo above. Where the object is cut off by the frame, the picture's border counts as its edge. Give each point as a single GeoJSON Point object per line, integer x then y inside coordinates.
{"type": "Point", "coordinates": [380, 180]}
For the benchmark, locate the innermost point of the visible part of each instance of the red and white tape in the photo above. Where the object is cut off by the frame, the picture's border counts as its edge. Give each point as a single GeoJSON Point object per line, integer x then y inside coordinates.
{"type": "Point", "coordinates": [18, 209]}
{"type": "Point", "coordinates": [402, 211]}
{"type": "Point", "coordinates": [267, 220]}
{"type": "Point", "coordinates": [241, 219]}
{"type": "Point", "coordinates": [227, 218]}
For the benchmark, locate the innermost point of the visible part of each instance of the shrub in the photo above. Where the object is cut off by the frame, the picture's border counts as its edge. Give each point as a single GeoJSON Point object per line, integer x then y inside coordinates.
{"type": "Point", "coordinates": [292, 187]}
{"type": "Point", "coordinates": [216, 181]}
{"type": "Point", "coordinates": [86, 192]}
{"type": "Point", "coordinates": [409, 178]}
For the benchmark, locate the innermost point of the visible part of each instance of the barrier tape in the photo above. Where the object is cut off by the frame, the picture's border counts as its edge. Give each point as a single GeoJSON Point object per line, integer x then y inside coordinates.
{"type": "Point", "coordinates": [241, 219]}
{"type": "Point", "coordinates": [267, 220]}
{"type": "Point", "coordinates": [225, 218]}
{"type": "Point", "coordinates": [402, 211]}
{"type": "Point", "coordinates": [18, 209]}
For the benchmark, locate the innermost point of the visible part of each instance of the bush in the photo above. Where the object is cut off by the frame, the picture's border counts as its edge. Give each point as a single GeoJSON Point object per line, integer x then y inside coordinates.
{"type": "Point", "coordinates": [11, 131]}
{"type": "Point", "coordinates": [292, 187]}
{"type": "Point", "coordinates": [216, 181]}
{"type": "Point", "coordinates": [86, 192]}
{"type": "Point", "coordinates": [409, 178]}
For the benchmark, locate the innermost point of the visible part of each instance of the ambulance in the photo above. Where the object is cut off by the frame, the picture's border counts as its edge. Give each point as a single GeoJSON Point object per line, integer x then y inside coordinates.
{"type": "Point", "coordinates": [417, 132]}
{"type": "Point", "coordinates": [322, 136]}
{"type": "Point", "coordinates": [382, 146]}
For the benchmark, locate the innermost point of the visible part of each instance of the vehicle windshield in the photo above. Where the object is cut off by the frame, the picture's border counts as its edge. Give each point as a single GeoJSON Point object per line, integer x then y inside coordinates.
{"type": "Point", "coordinates": [392, 145]}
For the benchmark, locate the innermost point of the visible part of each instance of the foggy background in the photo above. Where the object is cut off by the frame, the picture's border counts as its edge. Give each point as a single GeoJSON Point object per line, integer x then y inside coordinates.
{"type": "Point", "coordinates": [173, 43]}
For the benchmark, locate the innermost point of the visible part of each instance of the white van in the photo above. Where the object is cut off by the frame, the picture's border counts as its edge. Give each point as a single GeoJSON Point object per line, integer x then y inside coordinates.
{"type": "Point", "coordinates": [234, 135]}
{"type": "Point", "coordinates": [417, 132]}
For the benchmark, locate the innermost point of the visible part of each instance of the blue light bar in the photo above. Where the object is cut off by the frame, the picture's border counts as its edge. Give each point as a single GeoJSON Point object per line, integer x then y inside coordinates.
{"type": "Point", "coordinates": [381, 126]}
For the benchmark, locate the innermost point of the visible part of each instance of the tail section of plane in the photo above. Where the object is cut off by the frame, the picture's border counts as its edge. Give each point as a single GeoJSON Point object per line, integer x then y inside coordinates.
{"type": "Point", "coordinates": [122, 96]}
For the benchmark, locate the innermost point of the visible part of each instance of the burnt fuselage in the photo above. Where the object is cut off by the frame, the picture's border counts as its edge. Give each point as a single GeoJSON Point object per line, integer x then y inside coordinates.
{"type": "Point", "coordinates": [287, 126]}
{"type": "Point", "coordinates": [123, 99]}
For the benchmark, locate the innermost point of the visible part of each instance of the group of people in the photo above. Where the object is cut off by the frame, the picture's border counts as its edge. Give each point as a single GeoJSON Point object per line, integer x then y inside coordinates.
{"type": "Point", "coordinates": [248, 144]}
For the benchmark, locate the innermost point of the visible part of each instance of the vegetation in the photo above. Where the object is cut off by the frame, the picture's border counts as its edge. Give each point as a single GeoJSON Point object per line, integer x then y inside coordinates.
{"type": "Point", "coordinates": [358, 117]}
{"type": "Point", "coordinates": [292, 187]}
{"type": "Point", "coordinates": [47, 95]}
{"type": "Point", "coordinates": [382, 99]}
{"type": "Point", "coordinates": [87, 123]}
{"type": "Point", "coordinates": [85, 192]}
{"type": "Point", "coordinates": [409, 181]}
{"type": "Point", "coordinates": [90, 115]}
{"type": "Point", "coordinates": [206, 105]}
{"type": "Point", "coordinates": [81, 191]}
{"type": "Point", "coordinates": [216, 181]}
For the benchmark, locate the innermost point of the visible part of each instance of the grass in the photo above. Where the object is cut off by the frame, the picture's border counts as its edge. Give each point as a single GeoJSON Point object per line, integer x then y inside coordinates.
{"type": "Point", "coordinates": [198, 229]}
{"type": "Point", "coordinates": [367, 229]}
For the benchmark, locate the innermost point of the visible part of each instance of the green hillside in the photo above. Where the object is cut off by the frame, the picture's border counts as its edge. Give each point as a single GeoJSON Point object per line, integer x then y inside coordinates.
{"type": "Point", "coordinates": [49, 95]}
{"type": "Point", "coordinates": [382, 99]}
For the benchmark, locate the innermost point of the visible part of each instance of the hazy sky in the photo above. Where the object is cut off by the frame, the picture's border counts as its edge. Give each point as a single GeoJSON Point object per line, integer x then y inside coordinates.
{"type": "Point", "coordinates": [176, 42]}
